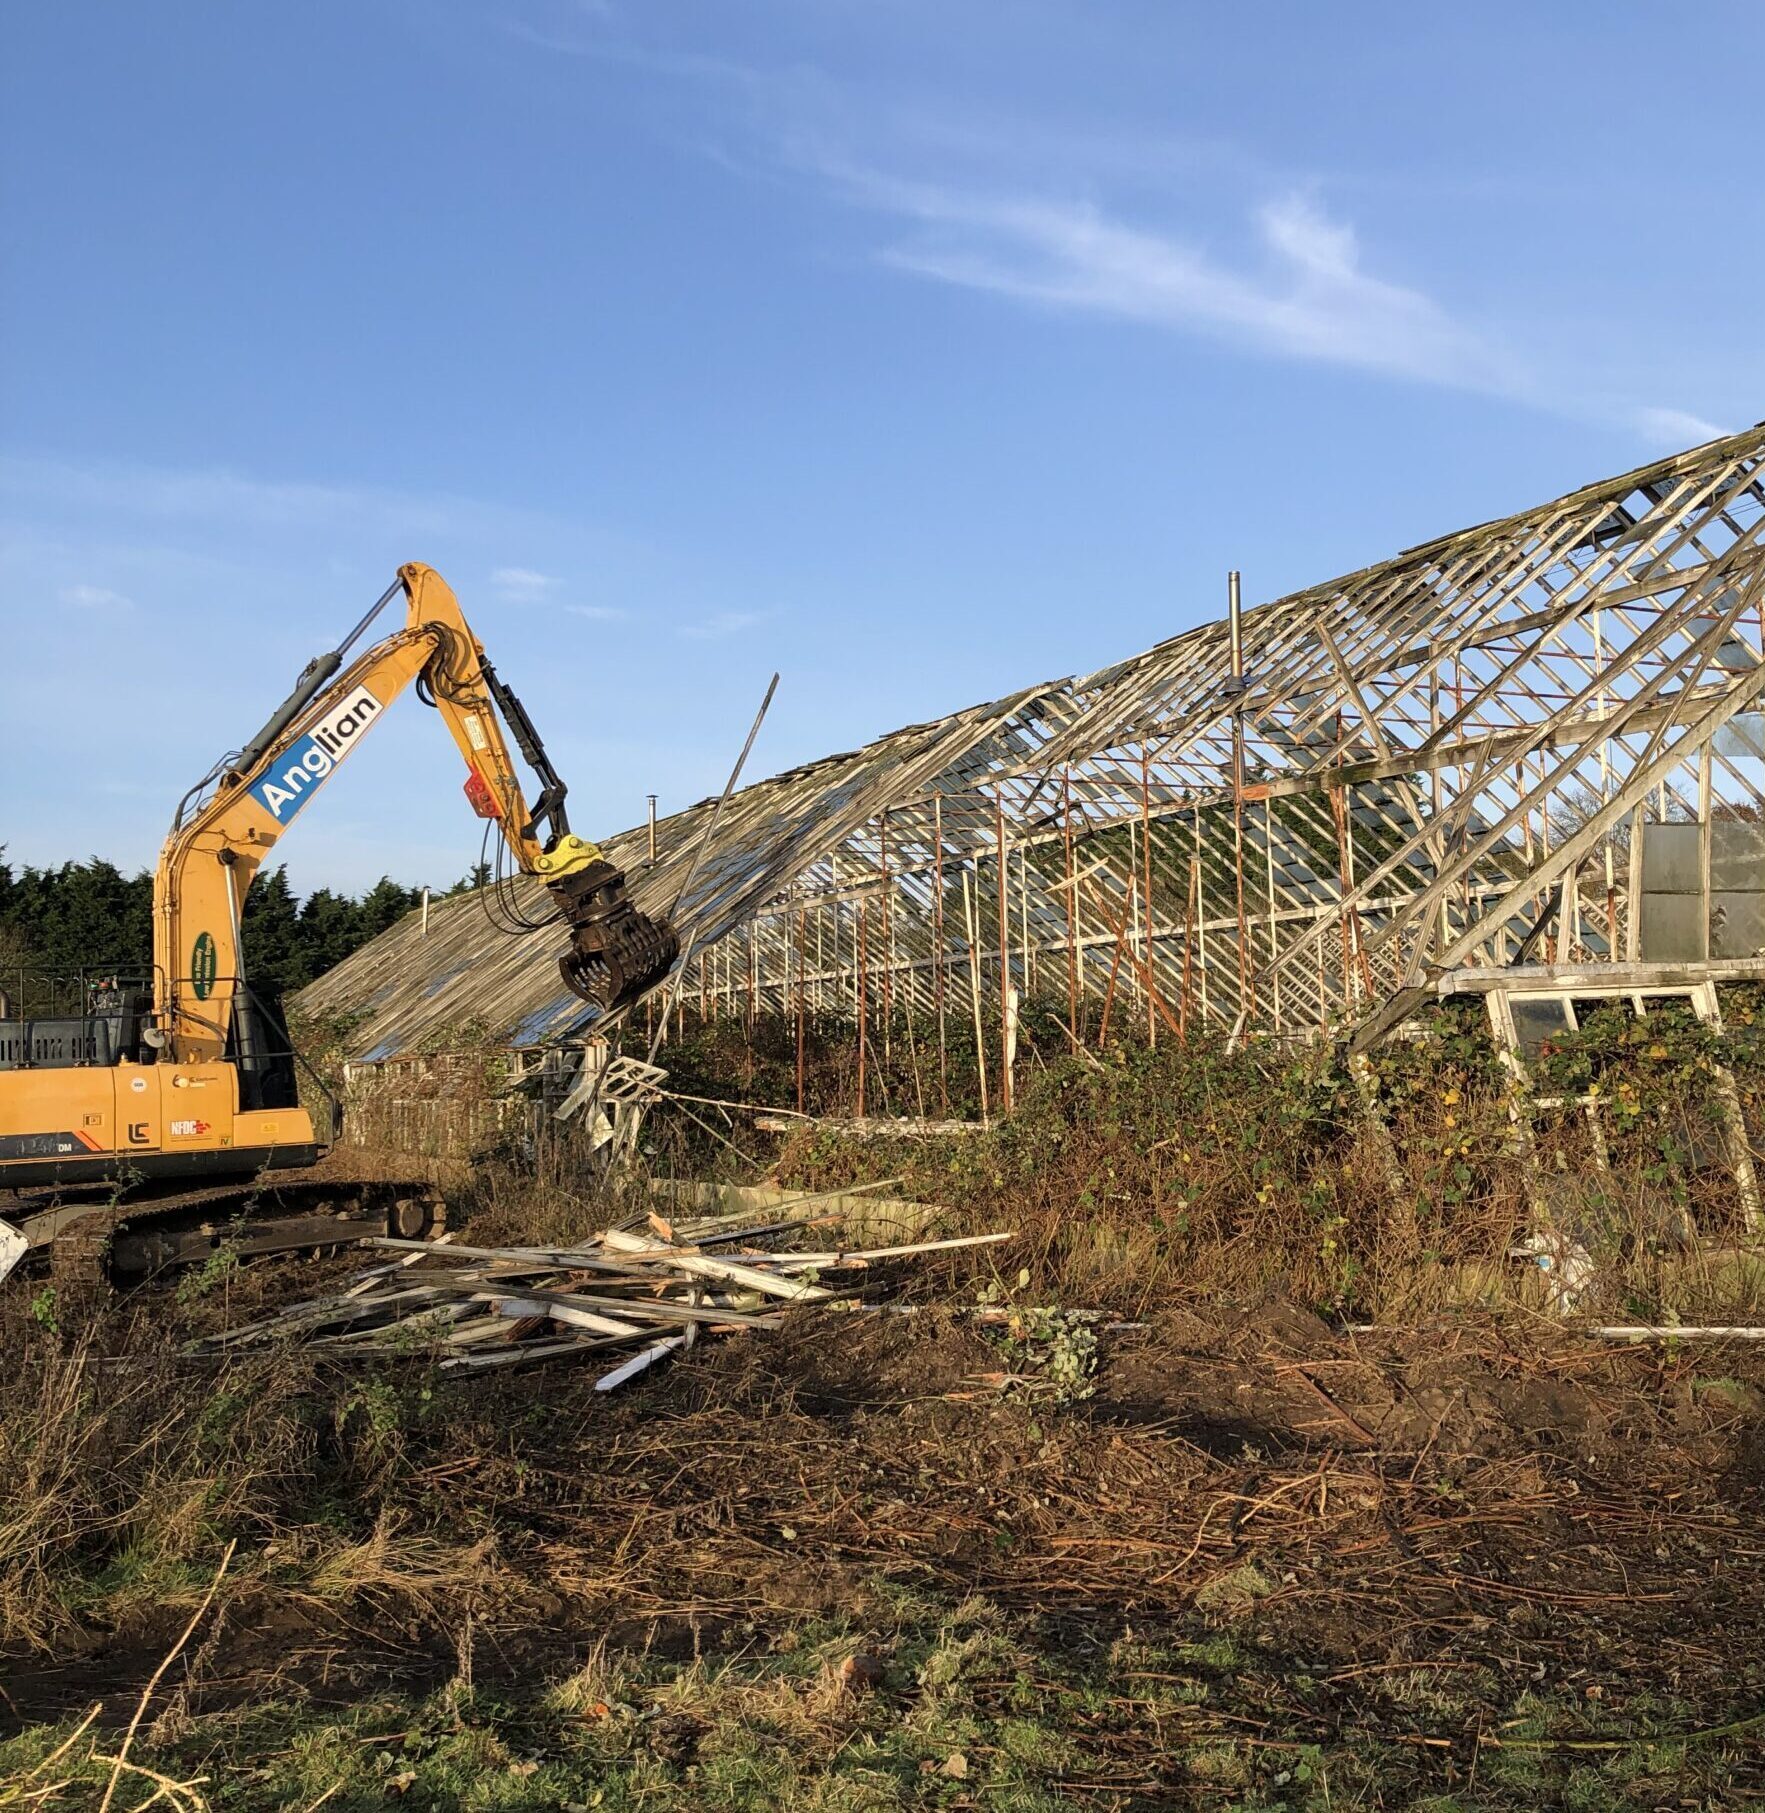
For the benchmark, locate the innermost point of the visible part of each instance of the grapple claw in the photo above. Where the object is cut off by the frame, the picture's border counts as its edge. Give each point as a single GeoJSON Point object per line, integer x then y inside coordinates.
{"type": "Point", "coordinates": [616, 954]}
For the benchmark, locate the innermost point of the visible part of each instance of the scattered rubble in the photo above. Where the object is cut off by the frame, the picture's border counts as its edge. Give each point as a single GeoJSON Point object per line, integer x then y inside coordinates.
{"type": "Point", "coordinates": [480, 1308]}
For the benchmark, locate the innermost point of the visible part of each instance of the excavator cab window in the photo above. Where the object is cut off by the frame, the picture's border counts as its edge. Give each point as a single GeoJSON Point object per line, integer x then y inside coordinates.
{"type": "Point", "coordinates": [104, 1026]}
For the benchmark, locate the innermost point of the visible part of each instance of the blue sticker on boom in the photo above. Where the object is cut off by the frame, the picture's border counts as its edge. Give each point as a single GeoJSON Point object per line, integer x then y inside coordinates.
{"type": "Point", "coordinates": [299, 771]}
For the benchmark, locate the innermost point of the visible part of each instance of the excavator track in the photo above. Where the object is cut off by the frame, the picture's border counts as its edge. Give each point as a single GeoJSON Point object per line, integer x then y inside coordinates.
{"type": "Point", "coordinates": [94, 1245]}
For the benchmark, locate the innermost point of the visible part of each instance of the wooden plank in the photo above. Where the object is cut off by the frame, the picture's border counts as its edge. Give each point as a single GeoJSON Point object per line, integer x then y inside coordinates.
{"type": "Point", "coordinates": [611, 1381]}
{"type": "Point", "coordinates": [648, 1251]}
{"type": "Point", "coordinates": [797, 1261]}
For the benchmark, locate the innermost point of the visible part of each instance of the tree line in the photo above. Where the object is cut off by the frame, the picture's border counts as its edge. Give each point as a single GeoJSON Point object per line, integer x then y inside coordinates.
{"type": "Point", "coordinates": [56, 922]}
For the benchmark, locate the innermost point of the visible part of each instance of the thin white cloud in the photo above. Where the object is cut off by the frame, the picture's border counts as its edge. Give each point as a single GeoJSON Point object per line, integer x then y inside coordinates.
{"type": "Point", "coordinates": [96, 598]}
{"type": "Point", "coordinates": [522, 582]}
{"type": "Point", "coordinates": [1677, 427]}
{"type": "Point", "coordinates": [571, 16]}
{"type": "Point", "coordinates": [724, 623]}
{"type": "Point", "coordinates": [598, 613]}
{"type": "Point", "coordinates": [996, 214]}
{"type": "Point", "coordinates": [1302, 291]}
{"type": "Point", "coordinates": [169, 496]}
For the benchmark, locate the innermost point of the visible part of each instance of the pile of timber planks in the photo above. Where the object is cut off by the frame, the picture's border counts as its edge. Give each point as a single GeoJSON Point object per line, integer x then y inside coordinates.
{"type": "Point", "coordinates": [658, 1289]}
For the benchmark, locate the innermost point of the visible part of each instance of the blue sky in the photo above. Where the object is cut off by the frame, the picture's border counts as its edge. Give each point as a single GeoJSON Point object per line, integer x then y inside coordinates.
{"type": "Point", "coordinates": [920, 351]}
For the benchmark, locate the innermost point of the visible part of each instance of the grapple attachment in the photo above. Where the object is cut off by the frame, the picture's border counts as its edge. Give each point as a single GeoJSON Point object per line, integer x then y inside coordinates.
{"type": "Point", "coordinates": [616, 953]}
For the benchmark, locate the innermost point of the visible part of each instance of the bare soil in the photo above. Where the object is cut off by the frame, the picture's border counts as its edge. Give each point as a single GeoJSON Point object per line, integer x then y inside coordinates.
{"type": "Point", "coordinates": [1402, 1536]}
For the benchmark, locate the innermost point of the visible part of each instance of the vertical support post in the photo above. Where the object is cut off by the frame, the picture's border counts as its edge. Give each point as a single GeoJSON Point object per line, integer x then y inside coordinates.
{"type": "Point", "coordinates": [1601, 705]}
{"type": "Point", "coordinates": [1459, 777]}
{"type": "Point", "coordinates": [1135, 950]}
{"type": "Point", "coordinates": [652, 800]}
{"type": "Point", "coordinates": [1556, 939]}
{"type": "Point", "coordinates": [1344, 871]}
{"type": "Point", "coordinates": [1706, 803]}
{"type": "Point", "coordinates": [1611, 904]}
{"type": "Point", "coordinates": [1191, 897]}
{"type": "Point", "coordinates": [1633, 914]}
{"type": "Point", "coordinates": [971, 925]}
{"type": "Point", "coordinates": [1526, 850]}
{"type": "Point", "coordinates": [938, 967]}
{"type": "Point", "coordinates": [1235, 624]}
{"type": "Point", "coordinates": [888, 918]}
{"type": "Point", "coordinates": [1323, 981]}
{"type": "Point", "coordinates": [1198, 869]}
{"type": "Point", "coordinates": [425, 912]}
{"type": "Point", "coordinates": [1437, 844]}
{"type": "Point", "coordinates": [802, 1000]}
{"type": "Point", "coordinates": [1149, 947]}
{"type": "Point", "coordinates": [1005, 985]}
{"type": "Point", "coordinates": [1072, 913]}
{"type": "Point", "coordinates": [1268, 837]}
{"type": "Point", "coordinates": [863, 999]}
{"type": "Point", "coordinates": [1024, 943]}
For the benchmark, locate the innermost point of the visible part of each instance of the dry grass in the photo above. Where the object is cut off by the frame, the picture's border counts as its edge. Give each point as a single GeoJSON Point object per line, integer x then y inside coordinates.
{"type": "Point", "coordinates": [1259, 1538]}
{"type": "Point", "coordinates": [1262, 1546]}
{"type": "Point", "coordinates": [115, 1476]}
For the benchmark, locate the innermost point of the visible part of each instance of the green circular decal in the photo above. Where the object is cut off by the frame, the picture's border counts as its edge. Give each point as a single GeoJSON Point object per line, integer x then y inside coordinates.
{"type": "Point", "coordinates": [202, 965]}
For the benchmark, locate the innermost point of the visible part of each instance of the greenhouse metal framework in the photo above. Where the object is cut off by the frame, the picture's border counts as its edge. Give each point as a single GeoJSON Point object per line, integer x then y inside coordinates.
{"type": "Point", "coordinates": [1282, 822]}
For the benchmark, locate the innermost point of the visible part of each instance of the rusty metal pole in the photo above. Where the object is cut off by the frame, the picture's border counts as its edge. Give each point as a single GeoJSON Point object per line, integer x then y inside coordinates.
{"type": "Point", "coordinates": [1072, 914]}
{"type": "Point", "coordinates": [888, 916]}
{"type": "Point", "coordinates": [1268, 839]}
{"type": "Point", "coordinates": [1191, 900]}
{"type": "Point", "coordinates": [1235, 621]}
{"type": "Point", "coordinates": [1005, 1016]}
{"type": "Point", "coordinates": [938, 966]}
{"type": "Point", "coordinates": [1146, 855]}
{"type": "Point", "coordinates": [863, 998]}
{"type": "Point", "coordinates": [802, 998]}
{"type": "Point", "coordinates": [971, 926]}
{"type": "Point", "coordinates": [1025, 943]}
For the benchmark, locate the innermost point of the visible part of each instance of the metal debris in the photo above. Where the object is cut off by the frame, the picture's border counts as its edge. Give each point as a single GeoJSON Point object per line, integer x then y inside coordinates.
{"type": "Point", "coordinates": [13, 1247]}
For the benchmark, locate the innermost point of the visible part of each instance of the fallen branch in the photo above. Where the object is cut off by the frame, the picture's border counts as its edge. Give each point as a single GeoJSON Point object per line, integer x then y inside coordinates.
{"type": "Point", "coordinates": [121, 1761]}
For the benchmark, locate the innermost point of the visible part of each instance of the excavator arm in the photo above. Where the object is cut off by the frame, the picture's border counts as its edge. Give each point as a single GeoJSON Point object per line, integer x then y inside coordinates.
{"type": "Point", "coordinates": [227, 827]}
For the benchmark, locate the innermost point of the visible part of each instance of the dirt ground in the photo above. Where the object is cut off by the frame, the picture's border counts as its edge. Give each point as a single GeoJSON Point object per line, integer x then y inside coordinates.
{"type": "Point", "coordinates": [1264, 1563]}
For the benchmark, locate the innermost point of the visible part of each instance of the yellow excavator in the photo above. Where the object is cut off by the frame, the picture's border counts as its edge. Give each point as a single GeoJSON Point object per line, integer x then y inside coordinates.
{"type": "Point", "coordinates": [161, 1120]}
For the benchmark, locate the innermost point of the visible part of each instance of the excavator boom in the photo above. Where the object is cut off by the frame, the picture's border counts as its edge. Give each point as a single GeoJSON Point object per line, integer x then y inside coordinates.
{"type": "Point", "coordinates": [188, 1085]}
{"type": "Point", "coordinates": [222, 836]}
